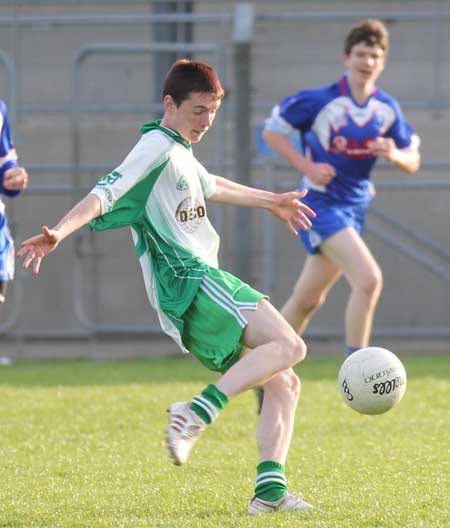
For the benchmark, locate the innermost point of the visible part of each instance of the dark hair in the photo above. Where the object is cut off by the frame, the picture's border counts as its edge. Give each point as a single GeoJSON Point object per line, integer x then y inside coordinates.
{"type": "Point", "coordinates": [188, 76]}
{"type": "Point", "coordinates": [371, 31]}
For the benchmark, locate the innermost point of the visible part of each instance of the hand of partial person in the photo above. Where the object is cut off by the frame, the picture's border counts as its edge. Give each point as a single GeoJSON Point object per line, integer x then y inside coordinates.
{"type": "Point", "coordinates": [34, 249]}
{"type": "Point", "coordinates": [384, 147]}
{"type": "Point", "coordinates": [292, 211]}
{"type": "Point", "coordinates": [15, 179]}
{"type": "Point", "coordinates": [320, 173]}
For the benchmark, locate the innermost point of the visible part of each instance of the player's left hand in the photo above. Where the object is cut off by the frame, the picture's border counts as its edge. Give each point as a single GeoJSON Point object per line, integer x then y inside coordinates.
{"type": "Point", "coordinates": [15, 179]}
{"type": "Point", "coordinates": [384, 147]}
{"type": "Point", "coordinates": [288, 208]}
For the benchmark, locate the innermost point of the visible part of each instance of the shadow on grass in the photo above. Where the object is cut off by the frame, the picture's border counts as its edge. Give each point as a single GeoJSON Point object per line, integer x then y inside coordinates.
{"type": "Point", "coordinates": [183, 369]}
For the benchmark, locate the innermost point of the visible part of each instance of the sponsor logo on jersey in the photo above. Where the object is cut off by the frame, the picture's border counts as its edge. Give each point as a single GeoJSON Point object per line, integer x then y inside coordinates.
{"type": "Point", "coordinates": [189, 215]}
{"type": "Point", "coordinates": [109, 179]}
{"type": "Point", "coordinates": [182, 184]}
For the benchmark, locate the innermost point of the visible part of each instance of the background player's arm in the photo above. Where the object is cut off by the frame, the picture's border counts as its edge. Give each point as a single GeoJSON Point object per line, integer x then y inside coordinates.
{"type": "Point", "coordinates": [407, 159]}
{"type": "Point", "coordinates": [36, 248]}
{"type": "Point", "coordinates": [15, 179]}
{"type": "Point", "coordinates": [286, 206]}
{"type": "Point", "coordinates": [319, 173]}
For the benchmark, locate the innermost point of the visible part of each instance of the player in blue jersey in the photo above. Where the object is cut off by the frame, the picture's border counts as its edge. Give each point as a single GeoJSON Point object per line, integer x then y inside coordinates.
{"type": "Point", "coordinates": [13, 179]}
{"type": "Point", "coordinates": [345, 127]}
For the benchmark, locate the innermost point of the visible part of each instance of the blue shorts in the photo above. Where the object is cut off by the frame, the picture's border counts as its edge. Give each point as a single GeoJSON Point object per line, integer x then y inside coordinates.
{"type": "Point", "coordinates": [6, 251]}
{"type": "Point", "coordinates": [331, 218]}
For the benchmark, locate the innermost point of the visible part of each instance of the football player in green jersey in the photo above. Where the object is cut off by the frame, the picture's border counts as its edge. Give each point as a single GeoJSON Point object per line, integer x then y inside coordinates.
{"type": "Point", "coordinates": [159, 191]}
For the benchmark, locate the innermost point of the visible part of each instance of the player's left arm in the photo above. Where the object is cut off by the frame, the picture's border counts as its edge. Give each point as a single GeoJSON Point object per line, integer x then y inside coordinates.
{"type": "Point", "coordinates": [286, 206]}
{"type": "Point", "coordinates": [407, 159]}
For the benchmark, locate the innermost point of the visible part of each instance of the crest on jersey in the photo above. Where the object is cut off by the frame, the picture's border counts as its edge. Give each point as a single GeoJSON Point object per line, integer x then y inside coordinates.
{"type": "Point", "coordinates": [182, 184]}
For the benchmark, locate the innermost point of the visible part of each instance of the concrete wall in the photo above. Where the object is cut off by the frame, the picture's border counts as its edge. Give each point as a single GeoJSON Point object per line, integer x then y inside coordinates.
{"type": "Point", "coordinates": [287, 55]}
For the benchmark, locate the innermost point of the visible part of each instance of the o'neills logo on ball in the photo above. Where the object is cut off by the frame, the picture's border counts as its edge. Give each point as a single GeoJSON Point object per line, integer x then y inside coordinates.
{"type": "Point", "coordinates": [189, 215]}
{"type": "Point", "coordinates": [380, 374]}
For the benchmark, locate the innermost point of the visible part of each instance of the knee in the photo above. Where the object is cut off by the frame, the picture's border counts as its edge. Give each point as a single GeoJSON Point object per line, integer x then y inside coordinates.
{"type": "Point", "coordinates": [312, 303]}
{"type": "Point", "coordinates": [294, 349]}
{"type": "Point", "coordinates": [370, 283]}
{"type": "Point", "coordinates": [373, 283]}
{"type": "Point", "coordinates": [292, 383]}
{"type": "Point", "coordinates": [286, 381]}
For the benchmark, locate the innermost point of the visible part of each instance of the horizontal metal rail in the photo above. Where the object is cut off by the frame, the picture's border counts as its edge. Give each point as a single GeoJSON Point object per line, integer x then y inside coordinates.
{"type": "Point", "coordinates": [39, 21]}
{"type": "Point", "coordinates": [333, 16]}
{"type": "Point", "coordinates": [287, 16]}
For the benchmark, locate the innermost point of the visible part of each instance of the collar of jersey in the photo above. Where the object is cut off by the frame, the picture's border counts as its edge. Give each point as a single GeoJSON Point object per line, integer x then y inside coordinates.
{"type": "Point", "coordinates": [347, 92]}
{"type": "Point", "coordinates": [146, 127]}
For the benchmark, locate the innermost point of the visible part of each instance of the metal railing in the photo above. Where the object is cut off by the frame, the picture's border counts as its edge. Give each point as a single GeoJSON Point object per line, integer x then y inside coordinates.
{"type": "Point", "coordinates": [431, 255]}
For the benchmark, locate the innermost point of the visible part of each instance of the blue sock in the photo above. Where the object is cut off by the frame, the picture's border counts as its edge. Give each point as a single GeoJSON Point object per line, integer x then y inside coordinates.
{"type": "Point", "coordinates": [349, 350]}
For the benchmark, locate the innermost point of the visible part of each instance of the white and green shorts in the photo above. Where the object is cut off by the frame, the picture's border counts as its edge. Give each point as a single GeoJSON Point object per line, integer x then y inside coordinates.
{"type": "Point", "coordinates": [214, 322]}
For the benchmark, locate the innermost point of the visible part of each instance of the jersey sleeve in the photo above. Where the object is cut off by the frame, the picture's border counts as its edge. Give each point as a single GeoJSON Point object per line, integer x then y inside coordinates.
{"type": "Point", "coordinates": [295, 112]}
{"type": "Point", "coordinates": [8, 155]}
{"type": "Point", "coordinates": [123, 193]}
{"type": "Point", "coordinates": [401, 131]}
{"type": "Point", "coordinates": [207, 181]}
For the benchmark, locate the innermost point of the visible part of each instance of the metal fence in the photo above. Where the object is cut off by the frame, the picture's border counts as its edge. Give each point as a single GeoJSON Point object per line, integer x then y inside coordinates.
{"type": "Point", "coordinates": [83, 71]}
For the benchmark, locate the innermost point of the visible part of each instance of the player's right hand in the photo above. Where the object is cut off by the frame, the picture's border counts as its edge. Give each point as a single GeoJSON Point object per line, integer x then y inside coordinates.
{"type": "Point", "coordinates": [34, 249]}
{"type": "Point", "coordinates": [320, 173]}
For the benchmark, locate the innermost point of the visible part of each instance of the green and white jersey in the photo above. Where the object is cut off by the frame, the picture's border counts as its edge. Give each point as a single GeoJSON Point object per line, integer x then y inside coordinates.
{"type": "Point", "coordinates": [159, 191]}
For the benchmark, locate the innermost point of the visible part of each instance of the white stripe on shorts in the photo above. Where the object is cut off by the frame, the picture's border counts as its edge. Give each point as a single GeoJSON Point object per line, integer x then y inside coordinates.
{"type": "Point", "coordinates": [221, 300]}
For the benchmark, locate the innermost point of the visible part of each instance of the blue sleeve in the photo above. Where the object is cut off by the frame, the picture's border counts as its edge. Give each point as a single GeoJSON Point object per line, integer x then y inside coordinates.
{"type": "Point", "coordinates": [301, 109]}
{"type": "Point", "coordinates": [8, 158]}
{"type": "Point", "coordinates": [400, 131]}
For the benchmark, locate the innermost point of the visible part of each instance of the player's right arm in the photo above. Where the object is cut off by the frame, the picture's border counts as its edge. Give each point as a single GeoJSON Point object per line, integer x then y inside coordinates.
{"type": "Point", "coordinates": [296, 112]}
{"type": "Point", "coordinates": [34, 249]}
{"type": "Point", "coordinates": [318, 173]}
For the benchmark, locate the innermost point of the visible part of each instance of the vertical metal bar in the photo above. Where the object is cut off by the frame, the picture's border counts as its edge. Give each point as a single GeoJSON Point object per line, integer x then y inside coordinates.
{"type": "Point", "coordinates": [437, 60]}
{"type": "Point", "coordinates": [163, 32]}
{"type": "Point", "coordinates": [169, 32]}
{"type": "Point", "coordinates": [244, 20]}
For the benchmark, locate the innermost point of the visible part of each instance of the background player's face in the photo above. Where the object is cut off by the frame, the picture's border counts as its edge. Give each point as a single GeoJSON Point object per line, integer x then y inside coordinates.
{"type": "Point", "coordinates": [193, 117]}
{"type": "Point", "coordinates": [364, 63]}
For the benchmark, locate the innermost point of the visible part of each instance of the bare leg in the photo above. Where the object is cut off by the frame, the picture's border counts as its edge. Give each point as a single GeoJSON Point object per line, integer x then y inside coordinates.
{"type": "Point", "coordinates": [276, 423]}
{"type": "Point", "coordinates": [273, 345]}
{"type": "Point", "coordinates": [319, 274]}
{"type": "Point", "coordinates": [272, 349]}
{"type": "Point", "coordinates": [350, 253]}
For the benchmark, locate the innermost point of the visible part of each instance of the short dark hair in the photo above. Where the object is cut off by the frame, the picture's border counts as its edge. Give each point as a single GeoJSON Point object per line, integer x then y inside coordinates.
{"type": "Point", "coordinates": [189, 76]}
{"type": "Point", "coordinates": [371, 31]}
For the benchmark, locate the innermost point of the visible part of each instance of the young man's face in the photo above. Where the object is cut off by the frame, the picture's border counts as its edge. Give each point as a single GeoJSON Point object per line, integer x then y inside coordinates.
{"type": "Point", "coordinates": [193, 117]}
{"type": "Point", "coordinates": [364, 63]}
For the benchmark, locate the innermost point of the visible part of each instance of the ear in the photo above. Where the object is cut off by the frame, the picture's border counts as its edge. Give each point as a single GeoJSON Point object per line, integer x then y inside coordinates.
{"type": "Point", "coordinates": [169, 104]}
{"type": "Point", "coordinates": [345, 59]}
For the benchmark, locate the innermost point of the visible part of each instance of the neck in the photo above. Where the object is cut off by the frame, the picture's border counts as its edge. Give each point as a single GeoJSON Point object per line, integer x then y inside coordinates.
{"type": "Point", "coordinates": [360, 92]}
{"type": "Point", "coordinates": [166, 123]}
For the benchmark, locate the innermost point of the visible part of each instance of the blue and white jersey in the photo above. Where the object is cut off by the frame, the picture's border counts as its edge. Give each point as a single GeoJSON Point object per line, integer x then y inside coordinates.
{"type": "Point", "coordinates": [336, 130]}
{"type": "Point", "coordinates": [8, 155]}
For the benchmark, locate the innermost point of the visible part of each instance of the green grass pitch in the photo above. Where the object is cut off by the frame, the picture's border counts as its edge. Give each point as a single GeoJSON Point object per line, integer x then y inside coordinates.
{"type": "Point", "coordinates": [82, 445]}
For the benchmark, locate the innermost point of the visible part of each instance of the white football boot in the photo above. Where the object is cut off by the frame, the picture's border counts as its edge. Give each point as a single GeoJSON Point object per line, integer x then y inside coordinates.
{"type": "Point", "coordinates": [288, 502]}
{"type": "Point", "coordinates": [185, 428]}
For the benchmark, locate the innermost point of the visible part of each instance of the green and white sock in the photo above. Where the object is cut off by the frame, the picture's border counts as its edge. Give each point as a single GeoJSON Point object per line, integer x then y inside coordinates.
{"type": "Point", "coordinates": [270, 481]}
{"type": "Point", "coordinates": [209, 403]}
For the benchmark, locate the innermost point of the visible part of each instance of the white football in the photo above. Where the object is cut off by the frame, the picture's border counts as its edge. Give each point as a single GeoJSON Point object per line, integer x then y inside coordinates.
{"type": "Point", "coordinates": [372, 380]}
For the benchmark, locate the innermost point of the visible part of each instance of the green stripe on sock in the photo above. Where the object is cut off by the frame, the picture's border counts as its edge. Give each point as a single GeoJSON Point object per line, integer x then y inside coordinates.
{"type": "Point", "coordinates": [214, 396]}
{"type": "Point", "coordinates": [269, 465]}
{"type": "Point", "coordinates": [272, 489]}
